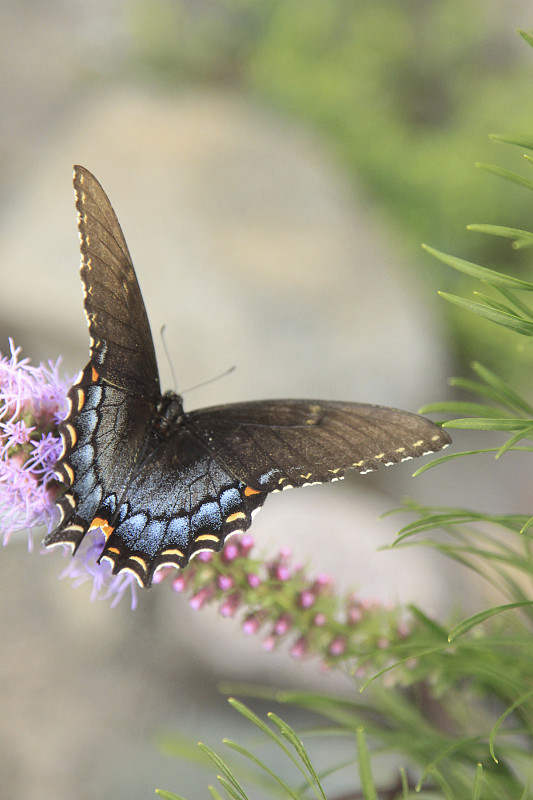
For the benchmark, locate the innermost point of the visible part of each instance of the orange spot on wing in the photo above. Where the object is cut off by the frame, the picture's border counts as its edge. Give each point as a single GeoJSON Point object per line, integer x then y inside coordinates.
{"type": "Point", "coordinates": [249, 491]}
{"type": "Point", "coordinates": [99, 522]}
{"type": "Point", "coordinates": [94, 375]}
{"type": "Point", "coordinates": [237, 515]}
{"type": "Point", "coordinates": [207, 537]}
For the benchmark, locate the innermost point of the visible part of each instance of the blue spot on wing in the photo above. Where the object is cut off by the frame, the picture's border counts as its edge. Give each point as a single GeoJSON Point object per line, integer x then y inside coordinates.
{"type": "Point", "coordinates": [82, 458]}
{"type": "Point", "coordinates": [178, 532]}
{"type": "Point", "coordinates": [229, 499]}
{"type": "Point", "coordinates": [207, 516]}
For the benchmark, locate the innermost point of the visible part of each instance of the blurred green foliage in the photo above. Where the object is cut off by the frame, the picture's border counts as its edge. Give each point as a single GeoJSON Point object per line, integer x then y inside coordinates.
{"type": "Point", "coordinates": [404, 93]}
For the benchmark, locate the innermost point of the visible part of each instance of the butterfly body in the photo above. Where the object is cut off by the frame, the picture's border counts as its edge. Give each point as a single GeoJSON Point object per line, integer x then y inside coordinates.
{"type": "Point", "coordinates": [164, 484]}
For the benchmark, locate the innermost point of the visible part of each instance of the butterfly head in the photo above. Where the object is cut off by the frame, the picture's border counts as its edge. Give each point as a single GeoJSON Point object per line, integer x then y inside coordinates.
{"type": "Point", "coordinates": [170, 414]}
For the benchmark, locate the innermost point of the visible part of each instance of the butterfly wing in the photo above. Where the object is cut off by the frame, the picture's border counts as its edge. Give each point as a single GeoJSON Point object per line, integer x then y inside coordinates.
{"type": "Point", "coordinates": [107, 430]}
{"type": "Point", "coordinates": [180, 501]}
{"type": "Point", "coordinates": [273, 445]}
{"type": "Point", "coordinates": [122, 350]}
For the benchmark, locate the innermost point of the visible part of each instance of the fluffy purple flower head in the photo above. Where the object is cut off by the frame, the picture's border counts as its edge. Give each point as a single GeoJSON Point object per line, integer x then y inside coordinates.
{"type": "Point", "coordinates": [33, 401]}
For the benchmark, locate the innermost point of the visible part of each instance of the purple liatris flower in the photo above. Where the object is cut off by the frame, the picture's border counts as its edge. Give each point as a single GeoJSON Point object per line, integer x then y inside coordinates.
{"type": "Point", "coordinates": [33, 401]}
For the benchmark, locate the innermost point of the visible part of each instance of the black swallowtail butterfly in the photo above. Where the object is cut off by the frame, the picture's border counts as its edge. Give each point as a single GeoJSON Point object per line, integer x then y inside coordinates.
{"type": "Point", "coordinates": [163, 484]}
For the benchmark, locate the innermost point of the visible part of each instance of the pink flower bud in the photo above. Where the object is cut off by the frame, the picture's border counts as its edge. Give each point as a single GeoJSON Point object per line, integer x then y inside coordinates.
{"type": "Point", "coordinates": [306, 598]}
{"type": "Point", "coordinates": [253, 580]}
{"type": "Point", "coordinates": [230, 605]}
{"type": "Point", "coordinates": [282, 625]}
{"type": "Point", "coordinates": [225, 582]}
{"type": "Point", "coordinates": [337, 646]}
{"type": "Point", "coordinates": [230, 552]}
{"type": "Point", "coordinates": [269, 643]}
{"type": "Point", "coordinates": [179, 584]}
{"type": "Point", "coordinates": [201, 598]}
{"type": "Point", "coordinates": [251, 624]}
{"type": "Point", "coordinates": [299, 648]}
{"type": "Point", "coordinates": [246, 544]}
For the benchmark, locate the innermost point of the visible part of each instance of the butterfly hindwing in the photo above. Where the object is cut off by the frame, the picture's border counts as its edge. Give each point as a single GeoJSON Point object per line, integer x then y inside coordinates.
{"type": "Point", "coordinates": [163, 485]}
{"type": "Point", "coordinates": [104, 437]}
{"type": "Point", "coordinates": [181, 501]}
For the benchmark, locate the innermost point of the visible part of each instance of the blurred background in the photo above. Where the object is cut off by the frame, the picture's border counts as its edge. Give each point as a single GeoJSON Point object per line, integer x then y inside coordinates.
{"type": "Point", "coordinates": [275, 166]}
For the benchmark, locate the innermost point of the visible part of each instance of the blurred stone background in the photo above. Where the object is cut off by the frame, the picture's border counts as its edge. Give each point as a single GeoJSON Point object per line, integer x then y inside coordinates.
{"type": "Point", "coordinates": [254, 249]}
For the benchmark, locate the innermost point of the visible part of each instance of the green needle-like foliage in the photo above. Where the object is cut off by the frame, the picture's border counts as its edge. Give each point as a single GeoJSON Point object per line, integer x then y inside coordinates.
{"type": "Point", "coordinates": [449, 704]}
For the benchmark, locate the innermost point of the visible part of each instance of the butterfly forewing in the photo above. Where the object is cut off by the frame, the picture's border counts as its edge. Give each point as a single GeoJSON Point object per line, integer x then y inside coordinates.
{"type": "Point", "coordinates": [163, 485]}
{"type": "Point", "coordinates": [122, 349]}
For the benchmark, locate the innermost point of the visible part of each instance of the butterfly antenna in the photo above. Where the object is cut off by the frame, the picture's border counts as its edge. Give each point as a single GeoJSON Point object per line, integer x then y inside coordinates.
{"type": "Point", "coordinates": [169, 360]}
{"type": "Point", "coordinates": [210, 380]}
{"type": "Point", "coordinates": [198, 385]}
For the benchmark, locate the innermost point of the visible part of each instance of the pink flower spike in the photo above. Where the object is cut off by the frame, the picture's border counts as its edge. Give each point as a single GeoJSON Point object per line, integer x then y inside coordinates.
{"type": "Point", "coordinates": [319, 620]}
{"type": "Point", "coordinates": [285, 553]}
{"type": "Point", "coordinates": [205, 556]}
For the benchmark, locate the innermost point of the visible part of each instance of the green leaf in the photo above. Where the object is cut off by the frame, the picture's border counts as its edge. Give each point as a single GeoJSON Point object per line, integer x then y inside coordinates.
{"type": "Point", "coordinates": [503, 398]}
{"type": "Point", "coordinates": [462, 407]}
{"type": "Point", "coordinates": [510, 444]}
{"type": "Point", "coordinates": [481, 273]}
{"type": "Point", "coordinates": [528, 37]}
{"type": "Point", "coordinates": [368, 786]}
{"type": "Point", "coordinates": [476, 790]}
{"type": "Point", "coordinates": [522, 141]}
{"type": "Point", "coordinates": [249, 714]}
{"type": "Point", "coordinates": [509, 396]}
{"type": "Point", "coordinates": [520, 238]}
{"type": "Point", "coordinates": [262, 766]}
{"type": "Point", "coordinates": [451, 456]}
{"type": "Point", "coordinates": [494, 424]}
{"type": "Point", "coordinates": [502, 718]}
{"type": "Point", "coordinates": [506, 174]}
{"type": "Point", "coordinates": [477, 619]}
{"type": "Point", "coordinates": [224, 768]}
{"type": "Point", "coordinates": [510, 321]}
{"type": "Point", "coordinates": [214, 793]}
{"type": "Point", "coordinates": [527, 525]}
{"type": "Point", "coordinates": [493, 303]}
{"type": "Point", "coordinates": [518, 304]}
{"type": "Point", "coordinates": [228, 786]}
{"type": "Point", "coordinates": [168, 795]}
{"type": "Point", "coordinates": [297, 743]}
